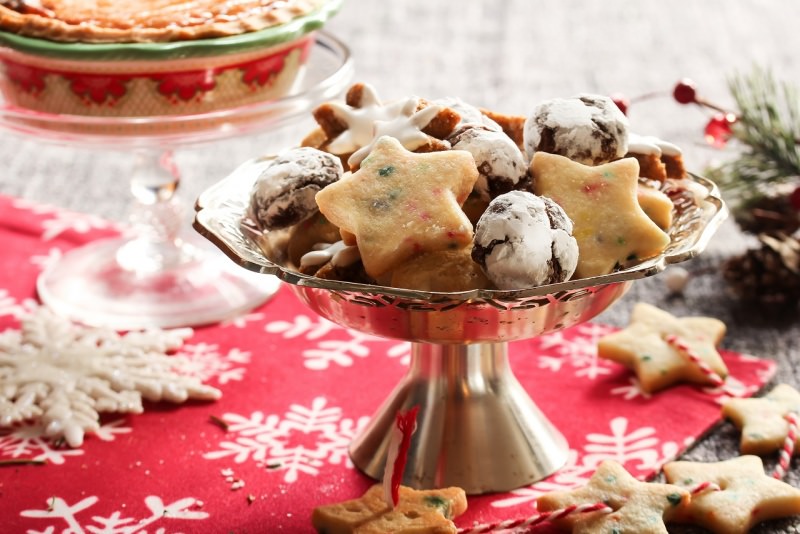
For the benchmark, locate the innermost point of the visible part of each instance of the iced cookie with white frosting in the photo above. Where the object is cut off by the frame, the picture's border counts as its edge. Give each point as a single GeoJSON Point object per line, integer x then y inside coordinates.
{"type": "Point", "coordinates": [523, 240]}
{"type": "Point", "coordinates": [658, 159]}
{"type": "Point", "coordinates": [588, 129]}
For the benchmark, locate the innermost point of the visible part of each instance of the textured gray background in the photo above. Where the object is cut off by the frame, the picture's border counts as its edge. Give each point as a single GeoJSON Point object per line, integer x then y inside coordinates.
{"type": "Point", "coordinates": [507, 56]}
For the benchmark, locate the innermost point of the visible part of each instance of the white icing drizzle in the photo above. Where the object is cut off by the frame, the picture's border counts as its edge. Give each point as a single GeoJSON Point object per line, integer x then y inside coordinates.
{"type": "Point", "coordinates": [648, 144]}
{"type": "Point", "coordinates": [339, 254]}
{"type": "Point", "coordinates": [361, 121]}
{"type": "Point", "coordinates": [406, 128]}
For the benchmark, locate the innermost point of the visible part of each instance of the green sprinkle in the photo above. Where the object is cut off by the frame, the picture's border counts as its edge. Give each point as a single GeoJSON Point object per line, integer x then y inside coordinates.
{"type": "Point", "coordinates": [608, 174]}
{"type": "Point", "coordinates": [646, 357]}
{"type": "Point", "coordinates": [615, 530]}
{"type": "Point", "coordinates": [434, 501]}
{"type": "Point", "coordinates": [674, 499]}
{"type": "Point", "coordinates": [688, 481]}
{"type": "Point", "coordinates": [620, 240]}
{"type": "Point", "coordinates": [611, 479]}
{"type": "Point", "coordinates": [386, 171]}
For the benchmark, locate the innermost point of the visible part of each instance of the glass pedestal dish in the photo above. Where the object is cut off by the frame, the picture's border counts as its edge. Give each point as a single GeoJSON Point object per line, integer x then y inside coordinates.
{"type": "Point", "coordinates": [477, 427]}
{"type": "Point", "coordinates": [164, 275]}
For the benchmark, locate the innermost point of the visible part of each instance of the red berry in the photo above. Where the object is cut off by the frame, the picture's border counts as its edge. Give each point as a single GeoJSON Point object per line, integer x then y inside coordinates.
{"type": "Point", "coordinates": [685, 92]}
{"type": "Point", "coordinates": [794, 198]}
{"type": "Point", "coordinates": [718, 130]}
{"type": "Point", "coordinates": [622, 102]}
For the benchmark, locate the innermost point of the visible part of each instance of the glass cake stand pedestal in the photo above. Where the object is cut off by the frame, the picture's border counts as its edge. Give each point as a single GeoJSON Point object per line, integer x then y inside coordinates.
{"type": "Point", "coordinates": [163, 274]}
{"type": "Point", "coordinates": [477, 427]}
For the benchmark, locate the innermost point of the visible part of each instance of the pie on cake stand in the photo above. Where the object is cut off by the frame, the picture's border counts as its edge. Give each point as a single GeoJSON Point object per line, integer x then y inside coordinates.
{"type": "Point", "coordinates": [233, 71]}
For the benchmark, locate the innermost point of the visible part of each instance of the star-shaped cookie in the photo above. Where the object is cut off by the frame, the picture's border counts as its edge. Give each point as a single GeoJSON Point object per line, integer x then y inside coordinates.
{"type": "Point", "coordinates": [642, 347]}
{"type": "Point", "coordinates": [400, 204]}
{"type": "Point", "coordinates": [609, 225]}
{"type": "Point", "coordinates": [417, 511]}
{"type": "Point", "coordinates": [747, 496]}
{"type": "Point", "coordinates": [639, 507]}
{"type": "Point", "coordinates": [761, 419]}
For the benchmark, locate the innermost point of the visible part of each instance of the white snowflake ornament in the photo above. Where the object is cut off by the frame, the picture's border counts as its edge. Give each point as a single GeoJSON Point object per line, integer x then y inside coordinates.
{"type": "Point", "coordinates": [64, 375]}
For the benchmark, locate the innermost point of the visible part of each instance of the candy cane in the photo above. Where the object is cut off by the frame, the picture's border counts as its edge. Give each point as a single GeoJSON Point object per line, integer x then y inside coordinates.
{"type": "Point", "coordinates": [685, 349]}
{"type": "Point", "coordinates": [785, 457]}
{"type": "Point", "coordinates": [537, 519]}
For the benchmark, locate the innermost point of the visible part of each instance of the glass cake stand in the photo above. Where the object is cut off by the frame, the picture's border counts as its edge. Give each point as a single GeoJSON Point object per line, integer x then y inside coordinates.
{"type": "Point", "coordinates": [164, 275]}
{"type": "Point", "coordinates": [477, 427]}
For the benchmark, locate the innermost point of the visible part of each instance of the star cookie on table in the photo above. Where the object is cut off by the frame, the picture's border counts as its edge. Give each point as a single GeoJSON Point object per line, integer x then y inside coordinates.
{"type": "Point", "coordinates": [762, 419]}
{"type": "Point", "coordinates": [609, 225]}
{"type": "Point", "coordinates": [429, 511]}
{"type": "Point", "coordinates": [400, 204]}
{"type": "Point", "coordinates": [65, 375]}
{"type": "Point", "coordinates": [639, 507]}
{"type": "Point", "coordinates": [643, 347]}
{"type": "Point", "coordinates": [746, 496]}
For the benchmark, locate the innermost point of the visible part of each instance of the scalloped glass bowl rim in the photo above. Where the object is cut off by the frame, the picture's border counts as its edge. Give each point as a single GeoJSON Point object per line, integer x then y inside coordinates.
{"type": "Point", "coordinates": [268, 37]}
{"type": "Point", "coordinates": [642, 270]}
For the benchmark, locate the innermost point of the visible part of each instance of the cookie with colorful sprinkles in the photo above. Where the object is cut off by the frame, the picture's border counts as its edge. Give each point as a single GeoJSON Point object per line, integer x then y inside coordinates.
{"type": "Point", "coordinates": [637, 507]}
{"type": "Point", "coordinates": [644, 346]}
{"type": "Point", "coordinates": [417, 511]}
{"type": "Point", "coordinates": [742, 494]}
{"type": "Point", "coordinates": [609, 225]}
{"type": "Point", "coordinates": [762, 420]}
{"type": "Point", "coordinates": [401, 204]}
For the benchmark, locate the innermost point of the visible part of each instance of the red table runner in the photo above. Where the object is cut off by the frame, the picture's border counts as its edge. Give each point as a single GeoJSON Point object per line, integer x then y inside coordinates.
{"type": "Point", "coordinates": [296, 389]}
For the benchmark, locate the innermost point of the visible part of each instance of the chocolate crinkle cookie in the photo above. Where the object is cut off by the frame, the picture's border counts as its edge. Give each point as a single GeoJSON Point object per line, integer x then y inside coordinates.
{"type": "Point", "coordinates": [284, 193]}
{"type": "Point", "coordinates": [589, 129]}
{"type": "Point", "coordinates": [524, 240]}
{"type": "Point", "coordinates": [500, 162]}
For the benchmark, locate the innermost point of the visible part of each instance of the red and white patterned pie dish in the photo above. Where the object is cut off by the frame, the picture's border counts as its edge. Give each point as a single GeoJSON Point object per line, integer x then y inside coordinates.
{"type": "Point", "coordinates": [174, 77]}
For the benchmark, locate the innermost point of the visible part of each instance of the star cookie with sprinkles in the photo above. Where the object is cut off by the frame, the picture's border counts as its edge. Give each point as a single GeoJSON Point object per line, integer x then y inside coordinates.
{"type": "Point", "coordinates": [762, 420]}
{"type": "Point", "coordinates": [639, 507]}
{"type": "Point", "coordinates": [746, 496]}
{"type": "Point", "coordinates": [400, 204]}
{"type": "Point", "coordinates": [644, 347]}
{"type": "Point", "coordinates": [608, 223]}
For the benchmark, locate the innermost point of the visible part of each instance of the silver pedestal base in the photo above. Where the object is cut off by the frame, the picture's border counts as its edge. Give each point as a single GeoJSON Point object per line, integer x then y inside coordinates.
{"type": "Point", "coordinates": [477, 428]}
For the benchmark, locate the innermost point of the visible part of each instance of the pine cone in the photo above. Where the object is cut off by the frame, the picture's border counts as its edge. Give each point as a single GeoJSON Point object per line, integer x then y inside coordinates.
{"type": "Point", "coordinates": [768, 215]}
{"type": "Point", "coordinates": [770, 274]}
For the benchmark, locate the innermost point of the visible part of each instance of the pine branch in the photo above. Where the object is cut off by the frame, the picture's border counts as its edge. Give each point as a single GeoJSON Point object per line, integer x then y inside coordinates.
{"type": "Point", "coordinates": [768, 130]}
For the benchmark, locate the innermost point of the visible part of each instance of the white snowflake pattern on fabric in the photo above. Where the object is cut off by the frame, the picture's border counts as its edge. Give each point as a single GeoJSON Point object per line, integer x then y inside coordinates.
{"type": "Point", "coordinates": [632, 390]}
{"type": "Point", "coordinates": [331, 351]}
{"type": "Point", "coordinates": [203, 361]}
{"type": "Point", "coordinates": [640, 449]}
{"type": "Point", "coordinates": [243, 321]}
{"type": "Point", "coordinates": [17, 309]}
{"type": "Point", "coordinates": [299, 443]}
{"type": "Point", "coordinates": [43, 261]}
{"type": "Point", "coordinates": [58, 509]}
{"type": "Point", "coordinates": [62, 220]}
{"type": "Point", "coordinates": [30, 441]}
{"type": "Point", "coordinates": [579, 351]}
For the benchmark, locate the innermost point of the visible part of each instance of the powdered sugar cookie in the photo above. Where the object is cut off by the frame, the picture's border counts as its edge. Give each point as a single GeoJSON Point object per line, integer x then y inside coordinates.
{"type": "Point", "coordinates": [643, 347]}
{"type": "Point", "coordinates": [525, 241]}
{"type": "Point", "coordinates": [609, 225]}
{"type": "Point", "coordinates": [283, 195]}
{"type": "Point", "coordinates": [418, 511]}
{"type": "Point", "coordinates": [400, 204]}
{"type": "Point", "coordinates": [639, 507]}
{"type": "Point", "coordinates": [589, 129]}
{"type": "Point", "coordinates": [746, 496]}
{"type": "Point", "coordinates": [762, 420]}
